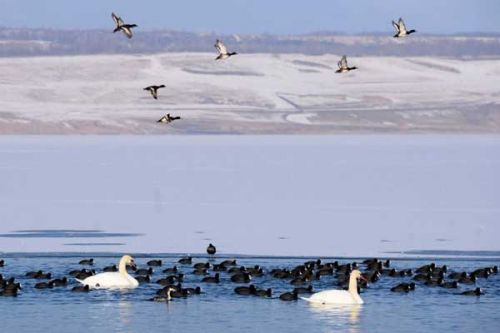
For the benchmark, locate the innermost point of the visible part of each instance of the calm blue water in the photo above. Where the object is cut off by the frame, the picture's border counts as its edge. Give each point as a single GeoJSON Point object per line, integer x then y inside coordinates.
{"type": "Point", "coordinates": [218, 309]}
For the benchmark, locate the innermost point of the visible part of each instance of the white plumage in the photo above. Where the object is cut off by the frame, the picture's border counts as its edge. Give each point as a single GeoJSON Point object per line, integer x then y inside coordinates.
{"type": "Point", "coordinates": [350, 296]}
{"type": "Point", "coordinates": [113, 280]}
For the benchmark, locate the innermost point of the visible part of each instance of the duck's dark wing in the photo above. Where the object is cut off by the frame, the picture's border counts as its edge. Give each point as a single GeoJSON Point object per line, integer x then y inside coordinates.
{"type": "Point", "coordinates": [396, 26]}
{"type": "Point", "coordinates": [118, 20]}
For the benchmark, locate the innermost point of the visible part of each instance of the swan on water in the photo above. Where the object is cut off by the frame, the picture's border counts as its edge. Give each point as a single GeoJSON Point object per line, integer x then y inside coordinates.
{"type": "Point", "coordinates": [350, 296]}
{"type": "Point", "coordinates": [113, 280]}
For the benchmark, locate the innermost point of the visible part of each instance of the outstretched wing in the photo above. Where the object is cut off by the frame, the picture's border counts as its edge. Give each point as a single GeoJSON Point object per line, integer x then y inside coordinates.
{"type": "Point", "coordinates": [402, 25]}
{"type": "Point", "coordinates": [396, 26]}
{"type": "Point", "coordinates": [118, 20]}
{"type": "Point", "coordinates": [219, 45]}
{"type": "Point", "coordinates": [343, 62]}
{"type": "Point", "coordinates": [127, 31]}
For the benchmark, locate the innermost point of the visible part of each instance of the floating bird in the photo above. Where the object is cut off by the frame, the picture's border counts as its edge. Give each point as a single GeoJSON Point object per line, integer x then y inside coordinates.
{"type": "Point", "coordinates": [166, 296]}
{"type": "Point", "coordinates": [10, 289]}
{"type": "Point", "coordinates": [111, 268]}
{"type": "Point", "coordinates": [221, 48]}
{"type": "Point", "coordinates": [89, 262]}
{"type": "Point", "coordinates": [211, 250]}
{"type": "Point", "coordinates": [154, 263]}
{"type": "Point", "coordinates": [144, 271]}
{"type": "Point", "coordinates": [113, 280]}
{"type": "Point", "coordinates": [475, 292]}
{"type": "Point", "coordinates": [81, 289]}
{"type": "Point", "coordinates": [241, 278]}
{"type": "Point", "coordinates": [426, 268]}
{"type": "Point", "coordinates": [264, 292]}
{"type": "Point", "coordinates": [404, 287]}
{"type": "Point", "coordinates": [351, 296]}
{"type": "Point", "coordinates": [44, 285]}
{"type": "Point", "coordinates": [185, 261]}
{"type": "Point", "coordinates": [201, 265]}
{"type": "Point", "coordinates": [289, 296]}
{"type": "Point", "coordinates": [343, 67]}
{"type": "Point", "coordinates": [142, 279]}
{"type": "Point", "coordinates": [172, 270]}
{"type": "Point", "coordinates": [449, 285]}
{"type": "Point", "coordinates": [121, 26]}
{"type": "Point", "coordinates": [467, 280]}
{"type": "Point", "coordinates": [210, 279]}
{"type": "Point", "coordinates": [229, 263]}
{"type": "Point", "coordinates": [154, 90]}
{"type": "Point", "coordinates": [401, 29]}
{"type": "Point", "coordinates": [303, 290]}
{"type": "Point", "coordinates": [59, 282]}
{"type": "Point", "coordinates": [167, 119]}
{"type": "Point", "coordinates": [250, 290]}
{"type": "Point", "coordinates": [39, 275]}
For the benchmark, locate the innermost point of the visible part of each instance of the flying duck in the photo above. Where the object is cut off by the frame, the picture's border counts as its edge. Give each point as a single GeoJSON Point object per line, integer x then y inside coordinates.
{"type": "Point", "coordinates": [343, 67]}
{"type": "Point", "coordinates": [401, 29]}
{"type": "Point", "coordinates": [221, 48]}
{"type": "Point", "coordinates": [167, 119]}
{"type": "Point", "coordinates": [121, 26]}
{"type": "Point", "coordinates": [154, 90]}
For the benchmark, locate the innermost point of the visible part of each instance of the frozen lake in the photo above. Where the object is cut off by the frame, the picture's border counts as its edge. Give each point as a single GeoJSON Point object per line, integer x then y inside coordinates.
{"type": "Point", "coordinates": [261, 195]}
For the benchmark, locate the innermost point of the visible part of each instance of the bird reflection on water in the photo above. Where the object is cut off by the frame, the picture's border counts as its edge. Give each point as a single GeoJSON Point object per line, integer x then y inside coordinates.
{"type": "Point", "coordinates": [338, 316]}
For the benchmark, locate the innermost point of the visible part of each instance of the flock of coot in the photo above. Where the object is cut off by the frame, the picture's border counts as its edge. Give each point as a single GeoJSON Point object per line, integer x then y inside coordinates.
{"type": "Point", "coordinates": [168, 281]}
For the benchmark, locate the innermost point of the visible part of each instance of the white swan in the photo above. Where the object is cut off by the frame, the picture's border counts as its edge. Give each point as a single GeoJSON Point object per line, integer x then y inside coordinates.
{"type": "Point", "coordinates": [350, 296]}
{"type": "Point", "coordinates": [113, 280]}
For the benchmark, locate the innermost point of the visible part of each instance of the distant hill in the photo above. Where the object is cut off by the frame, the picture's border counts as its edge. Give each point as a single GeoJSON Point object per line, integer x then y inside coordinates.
{"type": "Point", "coordinates": [248, 94]}
{"type": "Point", "coordinates": [41, 42]}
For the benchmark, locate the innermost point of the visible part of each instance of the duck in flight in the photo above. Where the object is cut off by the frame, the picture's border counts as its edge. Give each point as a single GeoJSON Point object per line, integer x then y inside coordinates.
{"type": "Point", "coordinates": [121, 26]}
{"type": "Point", "coordinates": [154, 90]}
{"type": "Point", "coordinates": [401, 29]}
{"type": "Point", "coordinates": [343, 67]}
{"type": "Point", "coordinates": [221, 48]}
{"type": "Point", "coordinates": [167, 119]}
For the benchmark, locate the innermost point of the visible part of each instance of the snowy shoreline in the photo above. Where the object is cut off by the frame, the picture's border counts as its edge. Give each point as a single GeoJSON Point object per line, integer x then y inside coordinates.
{"type": "Point", "coordinates": [251, 94]}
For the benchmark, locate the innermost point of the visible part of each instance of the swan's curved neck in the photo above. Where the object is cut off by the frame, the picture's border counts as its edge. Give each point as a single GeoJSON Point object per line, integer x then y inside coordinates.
{"type": "Point", "coordinates": [123, 267]}
{"type": "Point", "coordinates": [353, 285]}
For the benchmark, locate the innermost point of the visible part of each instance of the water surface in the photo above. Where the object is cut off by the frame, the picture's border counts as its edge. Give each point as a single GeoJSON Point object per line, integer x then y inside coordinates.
{"type": "Point", "coordinates": [219, 309]}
